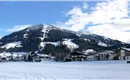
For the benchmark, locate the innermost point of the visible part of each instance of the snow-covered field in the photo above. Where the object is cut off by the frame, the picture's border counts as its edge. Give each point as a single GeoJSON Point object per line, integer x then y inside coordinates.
{"type": "Point", "coordinates": [86, 70]}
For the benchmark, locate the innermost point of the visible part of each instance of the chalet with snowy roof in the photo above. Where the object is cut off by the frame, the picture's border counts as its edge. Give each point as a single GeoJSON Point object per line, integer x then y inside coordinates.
{"type": "Point", "coordinates": [90, 54]}
{"type": "Point", "coordinates": [78, 56]}
{"type": "Point", "coordinates": [124, 54]}
{"type": "Point", "coordinates": [6, 56]}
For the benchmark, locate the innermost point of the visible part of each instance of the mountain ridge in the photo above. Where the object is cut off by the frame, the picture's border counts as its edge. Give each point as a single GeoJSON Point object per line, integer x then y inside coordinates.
{"type": "Point", "coordinates": [38, 37]}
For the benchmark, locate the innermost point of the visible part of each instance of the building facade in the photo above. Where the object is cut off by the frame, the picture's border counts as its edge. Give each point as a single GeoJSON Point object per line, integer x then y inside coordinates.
{"type": "Point", "coordinates": [125, 54]}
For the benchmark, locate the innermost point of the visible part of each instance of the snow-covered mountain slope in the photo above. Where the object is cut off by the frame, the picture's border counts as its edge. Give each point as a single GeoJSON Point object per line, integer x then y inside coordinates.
{"type": "Point", "coordinates": [70, 44]}
{"type": "Point", "coordinates": [47, 39]}
{"type": "Point", "coordinates": [12, 45]}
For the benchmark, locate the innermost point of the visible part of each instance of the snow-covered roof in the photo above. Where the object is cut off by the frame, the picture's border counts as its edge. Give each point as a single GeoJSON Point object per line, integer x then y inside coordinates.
{"type": "Point", "coordinates": [77, 53]}
{"type": "Point", "coordinates": [105, 52]}
{"type": "Point", "coordinates": [5, 54]}
{"type": "Point", "coordinates": [128, 49]}
{"type": "Point", "coordinates": [89, 51]}
{"type": "Point", "coordinates": [43, 55]}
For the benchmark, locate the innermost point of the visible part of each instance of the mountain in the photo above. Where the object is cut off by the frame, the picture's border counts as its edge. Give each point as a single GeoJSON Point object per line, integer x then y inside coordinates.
{"type": "Point", "coordinates": [47, 39]}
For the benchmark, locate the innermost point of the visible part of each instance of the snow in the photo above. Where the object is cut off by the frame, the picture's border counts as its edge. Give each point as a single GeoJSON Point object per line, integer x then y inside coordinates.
{"type": "Point", "coordinates": [44, 55]}
{"type": "Point", "coordinates": [45, 30]}
{"type": "Point", "coordinates": [5, 54]}
{"type": "Point", "coordinates": [128, 49]}
{"type": "Point", "coordinates": [25, 35]}
{"type": "Point", "coordinates": [42, 44]}
{"type": "Point", "coordinates": [89, 51]}
{"type": "Point", "coordinates": [12, 45]}
{"type": "Point", "coordinates": [86, 39]}
{"type": "Point", "coordinates": [53, 43]}
{"type": "Point", "coordinates": [70, 44]}
{"type": "Point", "coordinates": [106, 38]}
{"type": "Point", "coordinates": [28, 29]}
{"type": "Point", "coordinates": [89, 70]}
{"type": "Point", "coordinates": [102, 44]}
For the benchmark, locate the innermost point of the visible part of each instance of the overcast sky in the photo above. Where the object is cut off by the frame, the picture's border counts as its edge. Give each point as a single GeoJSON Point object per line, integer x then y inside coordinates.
{"type": "Point", "coordinates": [107, 18]}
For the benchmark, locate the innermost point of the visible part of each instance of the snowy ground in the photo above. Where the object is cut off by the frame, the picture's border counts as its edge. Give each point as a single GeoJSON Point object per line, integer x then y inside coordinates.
{"type": "Point", "coordinates": [87, 70]}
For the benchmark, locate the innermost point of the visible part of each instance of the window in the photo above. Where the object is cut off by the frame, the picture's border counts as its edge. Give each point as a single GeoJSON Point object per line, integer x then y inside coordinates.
{"type": "Point", "coordinates": [127, 57]}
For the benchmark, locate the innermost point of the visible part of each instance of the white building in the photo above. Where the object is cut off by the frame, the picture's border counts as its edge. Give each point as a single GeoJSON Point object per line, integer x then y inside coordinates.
{"type": "Point", "coordinates": [91, 57]}
{"type": "Point", "coordinates": [44, 57]}
{"type": "Point", "coordinates": [125, 54]}
{"type": "Point", "coordinates": [16, 56]}
{"type": "Point", "coordinates": [105, 55]}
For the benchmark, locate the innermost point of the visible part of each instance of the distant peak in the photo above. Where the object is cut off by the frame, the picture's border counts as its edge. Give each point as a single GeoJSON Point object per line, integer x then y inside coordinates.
{"type": "Point", "coordinates": [35, 27]}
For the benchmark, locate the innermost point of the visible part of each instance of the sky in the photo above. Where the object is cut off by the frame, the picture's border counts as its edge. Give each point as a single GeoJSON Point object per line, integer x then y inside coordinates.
{"type": "Point", "coordinates": [108, 18]}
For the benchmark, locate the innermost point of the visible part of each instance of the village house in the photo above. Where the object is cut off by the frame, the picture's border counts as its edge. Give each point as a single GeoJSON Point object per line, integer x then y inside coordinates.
{"type": "Point", "coordinates": [7, 56]}
{"type": "Point", "coordinates": [18, 57]}
{"type": "Point", "coordinates": [32, 57]}
{"type": "Point", "coordinates": [102, 55]}
{"type": "Point", "coordinates": [35, 57]}
{"type": "Point", "coordinates": [105, 55]}
{"type": "Point", "coordinates": [44, 57]}
{"type": "Point", "coordinates": [124, 54]}
{"type": "Point", "coordinates": [91, 57]}
{"type": "Point", "coordinates": [90, 54]}
{"type": "Point", "coordinates": [78, 56]}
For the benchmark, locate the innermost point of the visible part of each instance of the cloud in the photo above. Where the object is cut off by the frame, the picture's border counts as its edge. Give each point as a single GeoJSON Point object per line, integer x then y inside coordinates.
{"type": "Point", "coordinates": [18, 27]}
{"type": "Point", "coordinates": [109, 30]}
{"type": "Point", "coordinates": [85, 6]}
{"type": "Point", "coordinates": [110, 19]}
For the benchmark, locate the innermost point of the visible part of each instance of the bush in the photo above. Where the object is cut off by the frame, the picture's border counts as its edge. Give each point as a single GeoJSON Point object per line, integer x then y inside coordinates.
{"type": "Point", "coordinates": [60, 56]}
{"type": "Point", "coordinates": [61, 53]}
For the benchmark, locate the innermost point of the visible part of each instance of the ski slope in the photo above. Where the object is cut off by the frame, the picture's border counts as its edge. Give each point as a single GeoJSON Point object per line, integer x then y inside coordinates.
{"type": "Point", "coordinates": [47, 70]}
